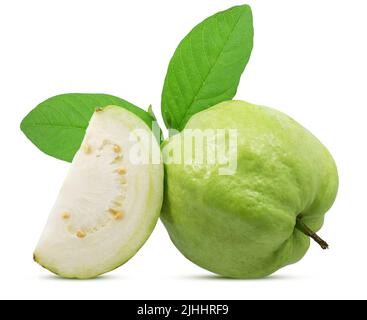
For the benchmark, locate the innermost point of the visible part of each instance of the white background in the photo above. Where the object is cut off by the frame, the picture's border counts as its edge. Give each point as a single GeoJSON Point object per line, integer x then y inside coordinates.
{"type": "Point", "coordinates": [309, 61]}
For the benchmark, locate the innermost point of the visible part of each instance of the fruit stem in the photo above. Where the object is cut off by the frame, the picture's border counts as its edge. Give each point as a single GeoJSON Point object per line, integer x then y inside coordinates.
{"type": "Point", "coordinates": [308, 232]}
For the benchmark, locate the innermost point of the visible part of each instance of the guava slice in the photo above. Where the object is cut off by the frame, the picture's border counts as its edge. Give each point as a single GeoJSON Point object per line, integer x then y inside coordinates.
{"type": "Point", "coordinates": [110, 200]}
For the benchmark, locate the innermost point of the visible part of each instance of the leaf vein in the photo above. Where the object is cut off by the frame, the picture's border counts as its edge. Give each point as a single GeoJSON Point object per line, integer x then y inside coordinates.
{"type": "Point", "coordinates": [210, 71]}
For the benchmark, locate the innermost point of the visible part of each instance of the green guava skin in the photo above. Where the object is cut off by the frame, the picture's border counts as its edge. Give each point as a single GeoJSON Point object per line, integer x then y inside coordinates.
{"type": "Point", "coordinates": [243, 225]}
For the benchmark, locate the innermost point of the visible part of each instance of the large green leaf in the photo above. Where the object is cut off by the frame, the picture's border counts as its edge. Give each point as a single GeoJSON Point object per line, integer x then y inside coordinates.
{"type": "Point", "coordinates": [57, 125]}
{"type": "Point", "coordinates": [207, 65]}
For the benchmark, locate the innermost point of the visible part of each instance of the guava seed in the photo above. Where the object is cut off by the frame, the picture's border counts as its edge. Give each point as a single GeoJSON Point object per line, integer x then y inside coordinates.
{"type": "Point", "coordinates": [117, 215]}
{"type": "Point", "coordinates": [80, 234]}
{"type": "Point", "coordinates": [121, 171]}
{"type": "Point", "coordinates": [116, 148]}
{"type": "Point", "coordinates": [65, 215]}
{"type": "Point", "coordinates": [87, 148]}
{"type": "Point", "coordinates": [116, 159]}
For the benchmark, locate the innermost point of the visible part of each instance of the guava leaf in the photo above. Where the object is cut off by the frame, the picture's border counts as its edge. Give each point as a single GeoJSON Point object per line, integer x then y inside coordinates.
{"type": "Point", "coordinates": [207, 65]}
{"type": "Point", "coordinates": [57, 125]}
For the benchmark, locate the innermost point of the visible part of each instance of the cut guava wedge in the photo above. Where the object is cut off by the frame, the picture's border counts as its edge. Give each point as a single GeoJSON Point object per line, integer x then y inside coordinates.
{"type": "Point", "coordinates": [110, 200]}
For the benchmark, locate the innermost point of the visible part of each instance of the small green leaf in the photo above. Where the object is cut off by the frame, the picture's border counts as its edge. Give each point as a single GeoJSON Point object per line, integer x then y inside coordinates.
{"type": "Point", "coordinates": [151, 112]}
{"type": "Point", "coordinates": [57, 125]}
{"type": "Point", "coordinates": [207, 65]}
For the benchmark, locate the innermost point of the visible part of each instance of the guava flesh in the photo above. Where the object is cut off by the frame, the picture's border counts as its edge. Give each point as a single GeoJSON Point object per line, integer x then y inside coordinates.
{"type": "Point", "coordinates": [244, 225]}
{"type": "Point", "coordinates": [110, 200]}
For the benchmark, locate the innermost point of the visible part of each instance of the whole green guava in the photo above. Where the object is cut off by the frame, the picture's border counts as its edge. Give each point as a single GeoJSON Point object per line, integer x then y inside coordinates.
{"type": "Point", "coordinates": [260, 218]}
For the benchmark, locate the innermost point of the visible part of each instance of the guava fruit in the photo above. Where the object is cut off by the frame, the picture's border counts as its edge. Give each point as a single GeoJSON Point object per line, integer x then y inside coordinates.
{"type": "Point", "coordinates": [110, 200]}
{"type": "Point", "coordinates": [260, 218]}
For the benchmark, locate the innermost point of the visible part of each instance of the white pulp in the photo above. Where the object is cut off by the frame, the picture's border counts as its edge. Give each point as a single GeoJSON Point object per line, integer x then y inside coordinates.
{"type": "Point", "coordinates": [108, 204]}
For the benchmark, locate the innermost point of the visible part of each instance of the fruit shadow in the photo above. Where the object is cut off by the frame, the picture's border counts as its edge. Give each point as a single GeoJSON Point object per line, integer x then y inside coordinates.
{"type": "Point", "coordinates": [214, 277]}
{"type": "Point", "coordinates": [53, 277]}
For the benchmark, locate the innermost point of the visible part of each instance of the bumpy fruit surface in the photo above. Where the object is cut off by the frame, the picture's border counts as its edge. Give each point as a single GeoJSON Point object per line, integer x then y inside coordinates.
{"type": "Point", "coordinates": [251, 223]}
